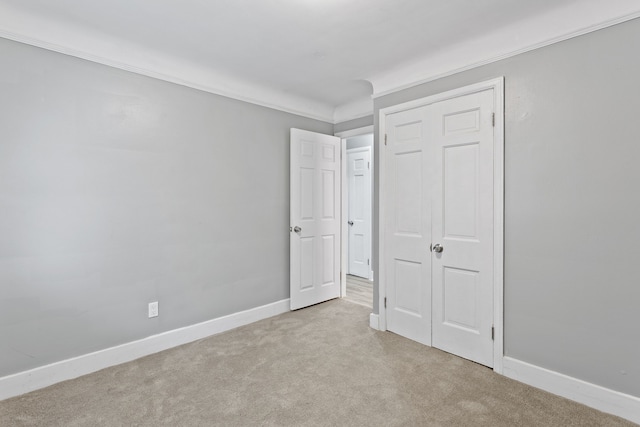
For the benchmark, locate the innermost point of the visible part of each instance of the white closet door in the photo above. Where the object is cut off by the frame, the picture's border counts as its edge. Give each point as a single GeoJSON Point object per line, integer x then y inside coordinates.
{"type": "Point", "coordinates": [462, 226]}
{"type": "Point", "coordinates": [408, 225]}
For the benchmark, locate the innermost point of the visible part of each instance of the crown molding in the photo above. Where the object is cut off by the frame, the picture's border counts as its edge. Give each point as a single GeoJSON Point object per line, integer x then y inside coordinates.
{"type": "Point", "coordinates": [523, 37]}
{"type": "Point", "coordinates": [89, 45]}
{"type": "Point", "coordinates": [520, 37]}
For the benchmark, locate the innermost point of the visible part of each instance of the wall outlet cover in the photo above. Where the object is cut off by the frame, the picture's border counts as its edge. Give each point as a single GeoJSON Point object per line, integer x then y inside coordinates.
{"type": "Point", "coordinates": [153, 309]}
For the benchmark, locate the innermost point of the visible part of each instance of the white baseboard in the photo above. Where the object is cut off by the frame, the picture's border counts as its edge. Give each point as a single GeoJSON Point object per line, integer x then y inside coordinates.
{"type": "Point", "coordinates": [374, 321]}
{"type": "Point", "coordinates": [603, 399]}
{"type": "Point", "coordinates": [24, 382]}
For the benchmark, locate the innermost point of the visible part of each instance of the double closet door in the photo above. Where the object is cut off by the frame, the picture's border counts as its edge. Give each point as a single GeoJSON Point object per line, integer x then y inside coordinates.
{"type": "Point", "coordinates": [439, 209]}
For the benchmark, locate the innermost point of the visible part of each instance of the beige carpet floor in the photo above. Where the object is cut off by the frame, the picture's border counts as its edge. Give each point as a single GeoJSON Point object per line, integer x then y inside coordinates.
{"type": "Point", "coordinates": [318, 366]}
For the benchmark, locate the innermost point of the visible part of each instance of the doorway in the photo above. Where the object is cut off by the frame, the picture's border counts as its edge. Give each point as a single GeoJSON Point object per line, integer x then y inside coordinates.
{"type": "Point", "coordinates": [357, 213]}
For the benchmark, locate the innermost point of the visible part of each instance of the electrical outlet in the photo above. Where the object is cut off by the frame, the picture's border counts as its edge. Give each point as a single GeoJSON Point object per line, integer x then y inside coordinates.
{"type": "Point", "coordinates": [153, 309]}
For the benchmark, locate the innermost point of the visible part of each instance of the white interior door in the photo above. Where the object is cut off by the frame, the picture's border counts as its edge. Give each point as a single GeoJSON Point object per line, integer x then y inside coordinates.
{"type": "Point", "coordinates": [462, 226]}
{"type": "Point", "coordinates": [315, 218]}
{"type": "Point", "coordinates": [408, 225]}
{"type": "Point", "coordinates": [359, 211]}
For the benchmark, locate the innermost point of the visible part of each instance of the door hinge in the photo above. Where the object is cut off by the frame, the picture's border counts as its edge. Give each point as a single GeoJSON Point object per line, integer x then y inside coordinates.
{"type": "Point", "coordinates": [368, 262]}
{"type": "Point", "coordinates": [368, 165]}
{"type": "Point", "coordinates": [493, 333]}
{"type": "Point", "coordinates": [493, 119]}
{"type": "Point", "coordinates": [385, 139]}
{"type": "Point", "coordinates": [385, 302]}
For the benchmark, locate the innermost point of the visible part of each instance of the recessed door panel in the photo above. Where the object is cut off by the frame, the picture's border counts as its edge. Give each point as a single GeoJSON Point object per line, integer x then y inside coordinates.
{"type": "Point", "coordinates": [307, 149]}
{"type": "Point", "coordinates": [306, 193]}
{"type": "Point", "coordinates": [462, 121]}
{"type": "Point", "coordinates": [460, 299]}
{"type": "Point", "coordinates": [329, 152]}
{"type": "Point", "coordinates": [328, 194]}
{"type": "Point", "coordinates": [461, 190]}
{"type": "Point", "coordinates": [306, 262]}
{"type": "Point", "coordinates": [359, 207]}
{"type": "Point", "coordinates": [408, 284]}
{"type": "Point", "coordinates": [328, 259]}
{"type": "Point", "coordinates": [358, 248]}
{"type": "Point", "coordinates": [409, 132]}
{"type": "Point", "coordinates": [408, 193]}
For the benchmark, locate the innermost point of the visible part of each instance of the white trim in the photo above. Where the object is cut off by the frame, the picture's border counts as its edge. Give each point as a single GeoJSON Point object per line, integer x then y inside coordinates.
{"type": "Point", "coordinates": [382, 311]}
{"type": "Point", "coordinates": [355, 132]}
{"type": "Point", "coordinates": [498, 226]}
{"type": "Point", "coordinates": [497, 85]}
{"type": "Point", "coordinates": [374, 321]}
{"type": "Point", "coordinates": [595, 396]}
{"type": "Point", "coordinates": [24, 382]}
{"type": "Point", "coordinates": [397, 79]}
{"type": "Point", "coordinates": [344, 234]}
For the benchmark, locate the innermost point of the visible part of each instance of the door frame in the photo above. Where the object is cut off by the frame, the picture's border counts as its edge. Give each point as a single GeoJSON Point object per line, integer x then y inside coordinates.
{"type": "Point", "coordinates": [497, 85]}
{"type": "Point", "coordinates": [344, 239]}
{"type": "Point", "coordinates": [345, 188]}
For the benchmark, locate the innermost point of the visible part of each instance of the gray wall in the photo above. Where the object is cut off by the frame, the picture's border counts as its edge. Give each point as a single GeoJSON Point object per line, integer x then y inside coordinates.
{"type": "Point", "coordinates": [353, 124]}
{"type": "Point", "coordinates": [572, 204]}
{"type": "Point", "coordinates": [117, 190]}
{"type": "Point", "coordinates": [360, 141]}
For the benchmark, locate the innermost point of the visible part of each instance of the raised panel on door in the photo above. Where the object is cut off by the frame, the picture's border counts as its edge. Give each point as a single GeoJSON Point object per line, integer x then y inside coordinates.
{"type": "Point", "coordinates": [408, 225]}
{"type": "Point", "coordinates": [462, 279]}
{"type": "Point", "coordinates": [307, 261]}
{"type": "Point", "coordinates": [359, 211]}
{"type": "Point", "coordinates": [314, 218]}
{"type": "Point", "coordinates": [328, 260]}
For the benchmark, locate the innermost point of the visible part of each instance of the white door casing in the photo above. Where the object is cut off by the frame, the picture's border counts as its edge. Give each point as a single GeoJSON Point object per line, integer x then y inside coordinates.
{"type": "Point", "coordinates": [408, 222]}
{"type": "Point", "coordinates": [359, 211]}
{"type": "Point", "coordinates": [453, 121]}
{"type": "Point", "coordinates": [314, 218]}
{"type": "Point", "coordinates": [461, 143]}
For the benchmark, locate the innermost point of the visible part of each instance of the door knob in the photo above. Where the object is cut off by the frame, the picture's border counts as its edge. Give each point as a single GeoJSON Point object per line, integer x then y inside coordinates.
{"type": "Point", "coordinates": [350, 223]}
{"type": "Point", "coordinates": [297, 229]}
{"type": "Point", "coordinates": [437, 248]}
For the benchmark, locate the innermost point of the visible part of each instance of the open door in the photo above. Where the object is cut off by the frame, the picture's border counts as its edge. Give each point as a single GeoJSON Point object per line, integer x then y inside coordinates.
{"type": "Point", "coordinates": [314, 233]}
{"type": "Point", "coordinates": [359, 217]}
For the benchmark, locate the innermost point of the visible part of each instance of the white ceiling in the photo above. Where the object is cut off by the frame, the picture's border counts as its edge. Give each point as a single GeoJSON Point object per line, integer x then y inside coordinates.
{"type": "Point", "coordinates": [319, 58]}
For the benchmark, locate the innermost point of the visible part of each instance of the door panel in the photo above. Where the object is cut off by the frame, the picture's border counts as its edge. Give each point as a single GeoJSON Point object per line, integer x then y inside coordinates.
{"type": "Point", "coordinates": [462, 279]}
{"type": "Point", "coordinates": [460, 168]}
{"type": "Point", "coordinates": [315, 192]}
{"type": "Point", "coordinates": [359, 212]}
{"type": "Point", "coordinates": [408, 226]}
{"type": "Point", "coordinates": [408, 279]}
{"type": "Point", "coordinates": [460, 302]}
